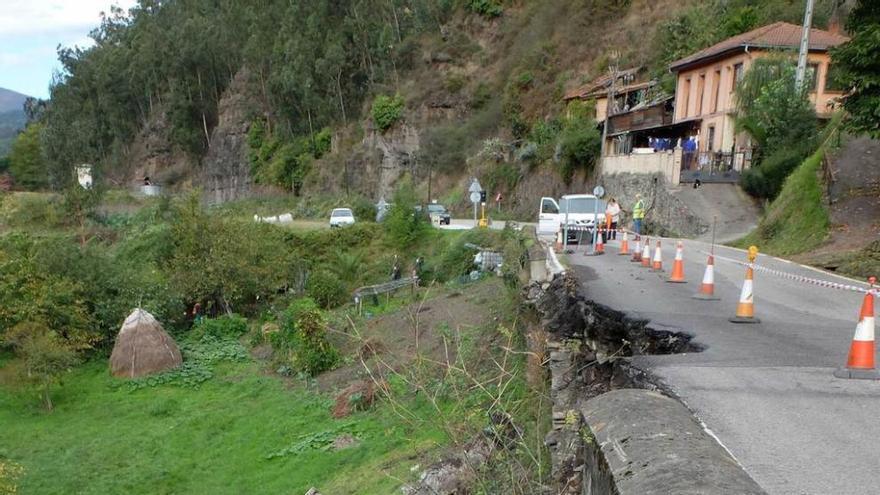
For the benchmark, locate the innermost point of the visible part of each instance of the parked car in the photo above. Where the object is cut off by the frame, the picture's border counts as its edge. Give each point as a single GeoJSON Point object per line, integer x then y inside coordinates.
{"type": "Point", "coordinates": [580, 210]}
{"type": "Point", "coordinates": [341, 217]}
{"type": "Point", "coordinates": [439, 211]}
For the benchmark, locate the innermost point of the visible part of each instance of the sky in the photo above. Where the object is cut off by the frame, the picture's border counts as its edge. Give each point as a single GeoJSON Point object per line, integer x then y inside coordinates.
{"type": "Point", "coordinates": [31, 30]}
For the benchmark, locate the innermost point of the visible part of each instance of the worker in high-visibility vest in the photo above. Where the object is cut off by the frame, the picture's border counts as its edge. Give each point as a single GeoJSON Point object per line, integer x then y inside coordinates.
{"type": "Point", "coordinates": [638, 214]}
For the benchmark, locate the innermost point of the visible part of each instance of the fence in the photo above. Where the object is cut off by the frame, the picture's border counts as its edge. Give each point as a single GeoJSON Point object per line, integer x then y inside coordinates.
{"type": "Point", "coordinates": [714, 166]}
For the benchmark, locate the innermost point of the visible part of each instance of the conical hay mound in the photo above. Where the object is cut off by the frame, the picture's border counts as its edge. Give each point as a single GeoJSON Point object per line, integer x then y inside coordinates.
{"type": "Point", "coordinates": [143, 347]}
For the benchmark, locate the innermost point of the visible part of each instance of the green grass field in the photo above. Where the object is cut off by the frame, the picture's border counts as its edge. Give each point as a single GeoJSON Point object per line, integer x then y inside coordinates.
{"type": "Point", "coordinates": [104, 437]}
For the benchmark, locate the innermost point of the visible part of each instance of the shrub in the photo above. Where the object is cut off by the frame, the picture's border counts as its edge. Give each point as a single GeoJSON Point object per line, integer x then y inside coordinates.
{"type": "Point", "coordinates": [580, 147]}
{"type": "Point", "coordinates": [326, 289]}
{"type": "Point", "coordinates": [387, 110]}
{"type": "Point", "coordinates": [304, 335]}
{"type": "Point", "coordinates": [224, 327]}
{"type": "Point", "coordinates": [766, 179]}
{"type": "Point", "coordinates": [486, 8]}
{"type": "Point", "coordinates": [364, 210]}
{"type": "Point", "coordinates": [403, 226]}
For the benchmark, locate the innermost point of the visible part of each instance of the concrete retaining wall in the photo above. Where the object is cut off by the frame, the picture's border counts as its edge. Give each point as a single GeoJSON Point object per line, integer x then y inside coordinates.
{"type": "Point", "coordinates": [640, 442]}
{"type": "Point", "coordinates": [666, 163]}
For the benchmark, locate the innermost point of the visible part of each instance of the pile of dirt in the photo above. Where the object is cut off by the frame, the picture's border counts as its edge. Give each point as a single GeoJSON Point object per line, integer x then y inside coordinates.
{"type": "Point", "coordinates": [358, 396]}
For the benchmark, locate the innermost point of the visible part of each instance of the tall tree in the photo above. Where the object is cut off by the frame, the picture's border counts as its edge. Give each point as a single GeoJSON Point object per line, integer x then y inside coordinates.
{"type": "Point", "coordinates": [856, 68]}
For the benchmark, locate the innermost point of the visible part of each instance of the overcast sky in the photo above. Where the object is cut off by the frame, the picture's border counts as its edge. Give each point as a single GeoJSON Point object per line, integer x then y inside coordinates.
{"type": "Point", "coordinates": [30, 31]}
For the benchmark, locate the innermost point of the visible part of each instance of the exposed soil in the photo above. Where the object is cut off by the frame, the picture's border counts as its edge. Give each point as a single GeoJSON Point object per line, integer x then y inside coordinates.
{"type": "Point", "coordinates": [426, 329]}
{"type": "Point", "coordinates": [854, 203]}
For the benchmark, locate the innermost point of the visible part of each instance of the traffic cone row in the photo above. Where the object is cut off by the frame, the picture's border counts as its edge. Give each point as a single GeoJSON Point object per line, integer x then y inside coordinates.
{"type": "Point", "coordinates": [860, 363]}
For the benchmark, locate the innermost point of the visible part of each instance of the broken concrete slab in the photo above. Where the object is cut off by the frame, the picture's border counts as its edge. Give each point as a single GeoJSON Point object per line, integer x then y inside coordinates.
{"type": "Point", "coordinates": [643, 442]}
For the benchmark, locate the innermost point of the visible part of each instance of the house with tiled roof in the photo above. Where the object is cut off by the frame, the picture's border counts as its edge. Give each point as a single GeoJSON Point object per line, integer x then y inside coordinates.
{"type": "Point", "coordinates": [705, 80]}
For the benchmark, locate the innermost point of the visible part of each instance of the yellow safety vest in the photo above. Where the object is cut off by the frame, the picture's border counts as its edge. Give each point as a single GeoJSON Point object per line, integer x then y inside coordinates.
{"type": "Point", "coordinates": [639, 209]}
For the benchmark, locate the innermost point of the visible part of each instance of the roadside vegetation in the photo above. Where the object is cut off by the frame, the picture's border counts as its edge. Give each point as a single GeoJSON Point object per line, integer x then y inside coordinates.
{"type": "Point", "coordinates": [254, 406]}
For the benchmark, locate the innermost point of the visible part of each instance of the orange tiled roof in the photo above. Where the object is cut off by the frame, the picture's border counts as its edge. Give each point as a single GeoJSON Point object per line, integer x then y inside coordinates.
{"type": "Point", "coordinates": [776, 35]}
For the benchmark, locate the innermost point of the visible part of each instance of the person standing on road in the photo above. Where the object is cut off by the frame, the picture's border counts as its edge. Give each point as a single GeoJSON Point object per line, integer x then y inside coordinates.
{"type": "Point", "coordinates": [638, 214]}
{"type": "Point", "coordinates": [612, 216]}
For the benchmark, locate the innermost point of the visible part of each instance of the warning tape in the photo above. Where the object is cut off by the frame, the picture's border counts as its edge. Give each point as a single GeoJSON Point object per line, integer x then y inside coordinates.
{"type": "Point", "coordinates": [797, 278]}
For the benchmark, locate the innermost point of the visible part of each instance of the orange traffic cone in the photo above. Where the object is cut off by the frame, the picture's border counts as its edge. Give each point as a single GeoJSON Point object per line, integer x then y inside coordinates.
{"type": "Point", "coordinates": [860, 363]}
{"type": "Point", "coordinates": [677, 276]}
{"type": "Point", "coordinates": [646, 254]}
{"type": "Point", "coordinates": [637, 252]}
{"type": "Point", "coordinates": [624, 245]}
{"type": "Point", "coordinates": [600, 244]}
{"type": "Point", "coordinates": [657, 262]}
{"type": "Point", "coordinates": [707, 288]}
{"type": "Point", "coordinates": [745, 310]}
{"type": "Point", "coordinates": [558, 246]}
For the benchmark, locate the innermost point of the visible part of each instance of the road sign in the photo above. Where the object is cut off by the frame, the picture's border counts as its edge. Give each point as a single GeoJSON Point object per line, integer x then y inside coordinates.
{"type": "Point", "coordinates": [598, 191]}
{"type": "Point", "coordinates": [475, 196]}
{"type": "Point", "coordinates": [475, 186]}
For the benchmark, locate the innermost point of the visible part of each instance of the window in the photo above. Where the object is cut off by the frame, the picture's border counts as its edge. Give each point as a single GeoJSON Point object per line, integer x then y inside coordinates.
{"type": "Point", "coordinates": [738, 74]}
{"type": "Point", "coordinates": [581, 205]}
{"type": "Point", "coordinates": [548, 206]}
{"type": "Point", "coordinates": [832, 79]}
{"type": "Point", "coordinates": [701, 86]}
{"type": "Point", "coordinates": [716, 93]}
{"type": "Point", "coordinates": [710, 142]}
{"type": "Point", "coordinates": [686, 97]}
{"type": "Point", "coordinates": [812, 77]}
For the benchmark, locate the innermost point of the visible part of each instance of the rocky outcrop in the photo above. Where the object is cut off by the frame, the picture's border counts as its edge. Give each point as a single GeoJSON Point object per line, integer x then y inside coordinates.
{"type": "Point", "coordinates": [226, 172]}
{"type": "Point", "coordinates": [667, 215]}
{"type": "Point", "coordinates": [398, 148]}
{"type": "Point", "coordinates": [153, 155]}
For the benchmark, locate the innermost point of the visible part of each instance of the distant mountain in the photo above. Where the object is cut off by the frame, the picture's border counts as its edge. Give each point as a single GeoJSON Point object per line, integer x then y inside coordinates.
{"type": "Point", "coordinates": [12, 117]}
{"type": "Point", "coordinates": [11, 101]}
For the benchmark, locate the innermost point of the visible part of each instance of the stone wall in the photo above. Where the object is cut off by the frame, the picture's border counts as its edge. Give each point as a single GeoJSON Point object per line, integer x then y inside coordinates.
{"type": "Point", "coordinates": [667, 164]}
{"type": "Point", "coordinates": [666, 215]}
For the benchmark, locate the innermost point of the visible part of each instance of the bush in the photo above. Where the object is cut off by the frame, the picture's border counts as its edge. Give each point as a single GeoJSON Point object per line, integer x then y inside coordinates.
{"type": "Point", "coordinates": [486, 8]}
{"type": "Point", "coordinates": [387, 110]}
{"type": "Point", "coordinates": [31, 210]}
{"type": "Point", "coordinates": [224, 327]}
{"type": "Point", "coordinates": [303, 335]}
{"type": "Point", "coordinates": [765, 180]}
{"type": "Point", "coordinates": [580, 146]}
{"type": "Point", "coordinates": [364, 210]}
{"type": "Point", "coordinates": [326, 289]}
{"type": "Point", "coordinates": [402, 224]}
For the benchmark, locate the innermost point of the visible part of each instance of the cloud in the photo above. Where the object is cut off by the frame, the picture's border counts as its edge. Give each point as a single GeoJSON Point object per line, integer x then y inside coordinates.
{"type": "Point", "coordinates": [46, 17]}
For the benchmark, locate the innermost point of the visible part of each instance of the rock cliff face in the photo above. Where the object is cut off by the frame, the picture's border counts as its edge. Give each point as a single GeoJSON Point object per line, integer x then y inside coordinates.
{"type": "Point", "coordinates": [226, 173]}
{"type": "Point", "coordinates": [152, 155]}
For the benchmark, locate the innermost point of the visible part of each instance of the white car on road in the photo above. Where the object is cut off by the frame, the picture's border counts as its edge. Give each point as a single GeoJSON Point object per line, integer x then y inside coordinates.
{"type": "Point", "coordinates": [581, 210]}
{"type": "Point", "coordinates": [341, 217]}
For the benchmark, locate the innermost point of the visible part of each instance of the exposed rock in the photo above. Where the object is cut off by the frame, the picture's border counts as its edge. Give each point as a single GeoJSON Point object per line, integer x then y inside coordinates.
{"type": "Point", "coordinates": [153, 155]}
{"type": "Point", "coordinates": [666, 214]}
{"type": "Point", "coordinates": [226, 172]}
{"type": "Point", "coordinates": [452, 476]}
{"type": "Point", "coordinates": [399, 147]}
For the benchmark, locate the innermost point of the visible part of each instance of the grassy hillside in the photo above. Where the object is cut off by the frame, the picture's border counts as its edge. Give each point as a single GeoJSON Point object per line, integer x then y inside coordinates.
{"type": "Point", "coordinates": [797, 220]}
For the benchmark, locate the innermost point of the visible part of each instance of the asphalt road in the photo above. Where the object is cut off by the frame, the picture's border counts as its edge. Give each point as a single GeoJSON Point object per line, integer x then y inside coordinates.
{"type": "Point", "coordinates": [765, 390]}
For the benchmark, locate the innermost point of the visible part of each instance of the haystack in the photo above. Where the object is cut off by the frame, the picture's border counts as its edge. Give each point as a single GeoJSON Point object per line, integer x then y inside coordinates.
{"type": "Point", "coordinates": [142, 347]}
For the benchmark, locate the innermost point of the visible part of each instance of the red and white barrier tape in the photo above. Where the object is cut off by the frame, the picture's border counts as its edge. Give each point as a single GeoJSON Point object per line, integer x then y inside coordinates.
{"type": "Point", "coordinates": [798, 278]}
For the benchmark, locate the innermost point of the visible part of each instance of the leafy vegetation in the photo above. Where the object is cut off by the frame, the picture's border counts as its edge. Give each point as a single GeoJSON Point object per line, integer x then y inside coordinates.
{"type": "Point", "coordinates": [26, 161]}
{"type": "Point", "coordinates": [797, 220]}
{"type": "Point", "coordinates": [387, 110]}
{"type": "Point", "coordinates": [781, 120]}
{"type": "Point", "coordinates": [857, 68]}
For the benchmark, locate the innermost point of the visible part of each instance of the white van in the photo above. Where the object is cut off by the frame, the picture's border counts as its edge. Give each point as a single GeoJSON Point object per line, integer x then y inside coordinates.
{"type": "Point", "coordinates": [576, 209]}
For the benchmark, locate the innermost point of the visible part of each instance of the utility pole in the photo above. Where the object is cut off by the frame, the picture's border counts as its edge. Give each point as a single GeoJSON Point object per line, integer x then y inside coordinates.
{"type": "Point", "coordinates": [805, 47]}
{"type": "Point", "coordinates": [612, 69]}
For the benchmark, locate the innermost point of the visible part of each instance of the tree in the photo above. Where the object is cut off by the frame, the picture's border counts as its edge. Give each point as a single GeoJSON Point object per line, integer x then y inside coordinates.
{"type": "Point", "coordinates": [26, 160]}
{"type": "Point", "coordinates": [771, 109]}
{"type": "Point", "coordinates": [45, 356]}
{"type": "Point", "coordinates": [856, 68]}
